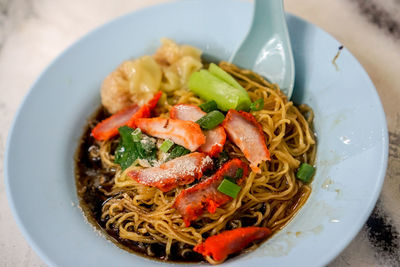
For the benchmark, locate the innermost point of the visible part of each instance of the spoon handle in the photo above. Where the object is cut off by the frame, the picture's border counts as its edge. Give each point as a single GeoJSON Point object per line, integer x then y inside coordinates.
{"type": "Point", "coordinates": [264, 25]}
{"type": "Point", "coordinates": [266, 48]}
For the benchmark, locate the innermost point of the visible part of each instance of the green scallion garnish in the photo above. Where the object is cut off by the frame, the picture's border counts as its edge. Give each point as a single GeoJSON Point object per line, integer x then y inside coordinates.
{"type": "Point", "coordinates": [137, 135]}
{"type": "Point", "coordinates": [166, 145]}
{"type": "Point", "coordinates": [209, 106]}
{"type": "Point", "coordinates": [305, 172]}
{"type": "Point", "coordinates": [257, 105]}
{"type": "Point", "coordinates": [229, 188]}
{"type": "Point", "coordinates": [211, 120]}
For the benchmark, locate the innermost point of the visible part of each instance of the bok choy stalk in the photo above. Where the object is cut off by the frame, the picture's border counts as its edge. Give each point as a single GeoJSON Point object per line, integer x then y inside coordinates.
{"type": "Point", "coordinates": [218, 85]}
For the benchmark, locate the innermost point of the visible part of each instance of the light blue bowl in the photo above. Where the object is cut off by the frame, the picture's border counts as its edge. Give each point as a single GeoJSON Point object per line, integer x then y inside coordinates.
{"type": "Point", "coordinates": [350, 123]}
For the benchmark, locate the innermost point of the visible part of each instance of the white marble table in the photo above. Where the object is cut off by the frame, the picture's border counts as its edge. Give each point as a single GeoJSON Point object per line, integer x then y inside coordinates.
{"type": "Point", "coordinates": [34, 32]}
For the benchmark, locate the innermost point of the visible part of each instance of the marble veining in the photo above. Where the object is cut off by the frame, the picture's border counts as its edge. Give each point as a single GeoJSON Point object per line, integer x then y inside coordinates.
{"type": "Point", "coordinates": [383, 235]}
{"type": "Point", "coordinates": [383, 14]}
{"type": "Point", "coordinates": [12, 15]}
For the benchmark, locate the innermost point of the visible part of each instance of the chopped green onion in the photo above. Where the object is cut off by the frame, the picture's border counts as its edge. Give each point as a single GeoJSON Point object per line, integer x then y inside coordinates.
{"type": "Point", "coordinates": [137, 135]}
{"type": "Point", "coordinates": [166, 145]}
{"type": "Point", "coordinates": [229, 188]}
{"type": "Point", "coordinates": [209, 106]}
{"type": "Point", "coordinates": [211, 120]}
{"type": "Point", "coordinates": [239, 173]}
{"type": "Point", "coordinates": [305, 172]}
{"type": "Point", "coordinates": [257, 105]}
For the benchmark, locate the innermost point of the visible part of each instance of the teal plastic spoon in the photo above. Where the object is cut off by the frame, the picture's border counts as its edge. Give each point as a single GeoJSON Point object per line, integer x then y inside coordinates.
{"type": "Point", "coordinates": [266, 48]}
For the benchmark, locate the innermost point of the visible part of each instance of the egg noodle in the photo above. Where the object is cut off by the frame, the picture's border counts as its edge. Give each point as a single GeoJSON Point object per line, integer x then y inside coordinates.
{"type": "Point", "coordinates": [270, 199]}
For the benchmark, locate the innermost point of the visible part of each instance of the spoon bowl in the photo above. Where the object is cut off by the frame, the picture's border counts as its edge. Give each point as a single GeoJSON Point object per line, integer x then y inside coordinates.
{"type": "Point", "coordinates": [266, 49]}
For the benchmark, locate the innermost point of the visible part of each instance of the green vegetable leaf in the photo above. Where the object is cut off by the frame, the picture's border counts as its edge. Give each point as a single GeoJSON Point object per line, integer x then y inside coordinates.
{"type": "Point", "coordinates": [177, 151]}
{"type": "Point", "coordinates": [133, 145]}
{"type": "Point", "coordinates": [125, 154]}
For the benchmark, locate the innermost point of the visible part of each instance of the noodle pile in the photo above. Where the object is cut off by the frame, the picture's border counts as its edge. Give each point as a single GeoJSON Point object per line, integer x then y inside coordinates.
{"type": "Point", "coordinates": [270, 198]}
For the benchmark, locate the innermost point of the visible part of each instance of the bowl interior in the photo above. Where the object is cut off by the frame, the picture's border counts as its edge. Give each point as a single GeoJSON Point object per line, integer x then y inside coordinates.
{"type": "Point", "coordinates": [349, 121]}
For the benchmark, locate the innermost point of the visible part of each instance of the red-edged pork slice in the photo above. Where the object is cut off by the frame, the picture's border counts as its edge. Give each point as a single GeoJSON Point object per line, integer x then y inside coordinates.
{"type": "Point", "coordinates": [186, 112]}
{"type": "Point", "coordinates": [109, 127]}
{"type": "Point", "coordinates": [227, 242]}
{"type": "Point", "coordinates": [185, 133]}
{"type": "Point", "coordinates": [176, 172]}
{"type": "Point", "coordinates": [243, 130]}
{"type": "Point", "coordinates": [215, 138]}
{"type": "Point", "coordinates": [193, 201]}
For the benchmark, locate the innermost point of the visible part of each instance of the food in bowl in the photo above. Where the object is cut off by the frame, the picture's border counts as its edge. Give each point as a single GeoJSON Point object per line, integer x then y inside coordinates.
{"type": "Point", "coordinates": [187, 160]}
